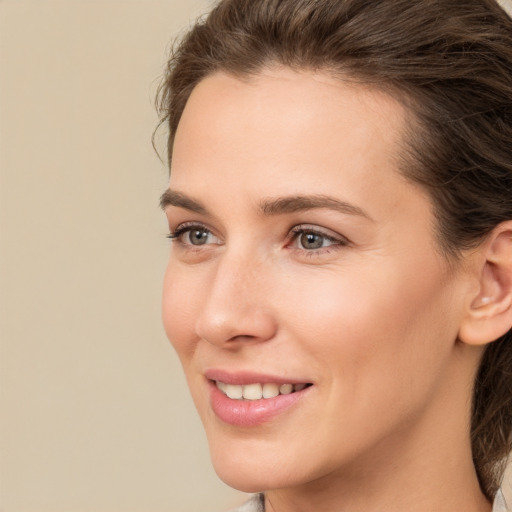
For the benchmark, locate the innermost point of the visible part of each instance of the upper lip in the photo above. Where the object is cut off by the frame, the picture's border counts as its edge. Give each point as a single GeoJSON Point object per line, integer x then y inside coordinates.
{"type": "Point", "coordinates": [243, 378]}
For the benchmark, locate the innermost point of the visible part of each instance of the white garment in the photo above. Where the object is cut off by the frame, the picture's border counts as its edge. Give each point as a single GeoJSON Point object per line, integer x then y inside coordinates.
{"type": "Point", "coordinates": [500, 505]}
{"type": "Point", "coordinates": [255, 504]}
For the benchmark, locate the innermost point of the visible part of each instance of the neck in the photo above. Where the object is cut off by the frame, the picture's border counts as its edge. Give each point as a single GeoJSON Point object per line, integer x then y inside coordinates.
{"type": "Point", "coordinates": [425, 467]}
{"type": "Point", "coordinates": [400, 485]}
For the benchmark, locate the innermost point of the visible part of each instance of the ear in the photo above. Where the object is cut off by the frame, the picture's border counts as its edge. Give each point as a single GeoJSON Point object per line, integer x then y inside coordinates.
{"type": "Point", "coordinates": [489, 310]}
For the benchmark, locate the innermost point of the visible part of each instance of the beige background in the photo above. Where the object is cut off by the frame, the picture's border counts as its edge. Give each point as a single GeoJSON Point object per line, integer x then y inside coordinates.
{"type": "Point", "coordinates": [95, 414]}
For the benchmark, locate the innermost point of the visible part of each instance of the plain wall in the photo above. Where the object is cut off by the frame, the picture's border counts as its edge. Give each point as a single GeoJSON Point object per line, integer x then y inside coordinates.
{"type": "Point", "coordinates": [95, 413]}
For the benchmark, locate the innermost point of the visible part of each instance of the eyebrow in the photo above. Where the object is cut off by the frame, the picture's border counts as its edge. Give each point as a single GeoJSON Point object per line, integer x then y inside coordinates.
{"type": "Point", "coordinates": [300, 203]}
{"type": "Point", "coordinates": [269, 207]}
{"type": "Point", "coordinates": [173, 198]}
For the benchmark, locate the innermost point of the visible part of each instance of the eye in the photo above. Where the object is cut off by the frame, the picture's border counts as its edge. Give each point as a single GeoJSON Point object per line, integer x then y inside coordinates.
{"type": "Point", "coordinates": [312, 239]}
{"type": "Point", "coordinates": [195, 235]}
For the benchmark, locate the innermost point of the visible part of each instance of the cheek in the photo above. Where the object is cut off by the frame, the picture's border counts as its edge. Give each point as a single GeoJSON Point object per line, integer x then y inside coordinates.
{"type": "Point", "coordinates": [369, 327]}
{"type": "Point", "coordinates": [179, 310]}
{"type": "Point", "coordinates": [376, 349]}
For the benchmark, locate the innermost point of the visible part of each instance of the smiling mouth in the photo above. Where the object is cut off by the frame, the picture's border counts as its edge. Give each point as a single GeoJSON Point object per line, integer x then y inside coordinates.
{"type": "Point", "coordinates": [258, 391]}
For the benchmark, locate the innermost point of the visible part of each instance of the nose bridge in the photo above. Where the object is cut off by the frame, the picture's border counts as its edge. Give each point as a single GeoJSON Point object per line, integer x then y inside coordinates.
{"type": "Point", "coordinates": [236, 306]}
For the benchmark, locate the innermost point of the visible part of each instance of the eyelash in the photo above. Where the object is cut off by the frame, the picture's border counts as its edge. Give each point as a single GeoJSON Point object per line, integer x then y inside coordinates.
{"type": "Point", "coordinates": [175, 236]}
{"type": "Point", "coordinates": [336, 242]}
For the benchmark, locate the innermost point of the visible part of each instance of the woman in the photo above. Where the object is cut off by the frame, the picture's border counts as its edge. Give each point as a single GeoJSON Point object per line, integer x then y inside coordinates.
{"type": "Point", "coordinates": [339, 288]}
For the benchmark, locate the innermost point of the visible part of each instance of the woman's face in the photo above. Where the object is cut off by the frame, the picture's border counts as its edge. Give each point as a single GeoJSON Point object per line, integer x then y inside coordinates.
{"type": "Point", "coordinates": [302, 257]}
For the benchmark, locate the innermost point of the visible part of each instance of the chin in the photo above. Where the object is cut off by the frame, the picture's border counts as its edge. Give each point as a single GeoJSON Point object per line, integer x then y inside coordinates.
{"type": "Point", "coordinates": [258, 467]}
{"type": "Point", "coordinates": [249, 483]}
{"type": "Point", "coordinates": [249, 470]}
{"type": "Point", "coordinates": [242, 469]}
{"type": "Point", "coordinates": [251, 479]}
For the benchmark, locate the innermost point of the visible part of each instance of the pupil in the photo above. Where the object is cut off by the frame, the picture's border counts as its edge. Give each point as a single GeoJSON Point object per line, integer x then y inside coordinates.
{"type": "Point", "coordinates": [311, 241]}
{"type": "Point", "coordinates": [198, 237]}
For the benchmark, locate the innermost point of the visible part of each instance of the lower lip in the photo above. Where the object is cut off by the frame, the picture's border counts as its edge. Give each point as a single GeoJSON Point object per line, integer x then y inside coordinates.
{"type": "Point", "coordinates": [250, 413]}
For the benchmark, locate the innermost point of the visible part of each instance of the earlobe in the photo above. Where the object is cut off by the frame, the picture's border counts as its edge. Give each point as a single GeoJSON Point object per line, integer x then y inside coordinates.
{"type": "Point", "coordinates": [489, 314]}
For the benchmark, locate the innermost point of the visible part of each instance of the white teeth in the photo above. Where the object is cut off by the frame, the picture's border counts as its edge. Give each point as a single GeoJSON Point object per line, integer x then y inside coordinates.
{"type": "Point", "coordinates": [257, 391]}
{"type": "Point", "coordinates": [286, 389]}
{"type": "Point", "coordinates": [233, 391]}
{"type": "Point", "coordinates": [270, 390]}
{"type": "Point", "coordinates": [253, 392]}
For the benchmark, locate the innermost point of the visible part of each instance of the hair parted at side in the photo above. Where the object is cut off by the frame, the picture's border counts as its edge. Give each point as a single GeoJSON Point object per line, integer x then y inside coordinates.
{"type": "Point", "coordinates": [450, 63]}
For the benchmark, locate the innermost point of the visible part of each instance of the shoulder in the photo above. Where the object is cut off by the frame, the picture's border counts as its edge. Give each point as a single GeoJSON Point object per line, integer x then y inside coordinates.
{"type": "Point", "coordinates": [255, 504]}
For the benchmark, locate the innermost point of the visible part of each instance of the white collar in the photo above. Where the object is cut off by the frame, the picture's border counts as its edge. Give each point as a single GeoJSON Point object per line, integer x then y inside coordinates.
{"type": "Point", "coordinates": [255, 504]}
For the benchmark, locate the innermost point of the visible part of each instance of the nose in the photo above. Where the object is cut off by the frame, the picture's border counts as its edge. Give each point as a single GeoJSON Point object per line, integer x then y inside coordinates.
{"type": "Point", "coordinates": [237, 306]}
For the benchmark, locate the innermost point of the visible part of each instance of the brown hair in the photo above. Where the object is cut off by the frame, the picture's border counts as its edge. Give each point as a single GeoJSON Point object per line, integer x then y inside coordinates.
{"type": "Point", "coordinates": [450, 62]}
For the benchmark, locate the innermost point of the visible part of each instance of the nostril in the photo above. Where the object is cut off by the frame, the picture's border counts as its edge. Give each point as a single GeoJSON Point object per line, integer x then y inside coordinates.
{"type": "Point", "coordinates": [242, 337]}
{"type": "Point", "coordinates": [236, 324]}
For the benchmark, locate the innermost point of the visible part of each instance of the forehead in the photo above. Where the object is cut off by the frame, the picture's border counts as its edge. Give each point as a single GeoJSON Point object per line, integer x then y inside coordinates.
{"type": "Point", "coordinates": [298, 132]}
{"type": "Point", "coordinates": [288, 106]}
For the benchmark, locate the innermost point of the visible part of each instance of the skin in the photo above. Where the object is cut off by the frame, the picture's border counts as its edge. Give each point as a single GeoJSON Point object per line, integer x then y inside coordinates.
{"type": "Point", "coordinates": [371, 318]}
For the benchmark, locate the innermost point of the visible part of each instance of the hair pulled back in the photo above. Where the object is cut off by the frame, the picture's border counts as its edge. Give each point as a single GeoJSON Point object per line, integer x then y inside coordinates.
{"type": "Point", "coordinates": [450, 63]}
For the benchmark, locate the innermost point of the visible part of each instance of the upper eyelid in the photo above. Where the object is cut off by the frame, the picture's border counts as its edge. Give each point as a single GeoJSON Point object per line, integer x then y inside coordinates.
{"type": "Point", "coordinates": [314, 229]}
{"type": "Point", "coordinates": [299, 227]}
{"type": "Point", "coordinates": [183, 226]}
{"type": "Point", "coordinates": [327, 233]}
